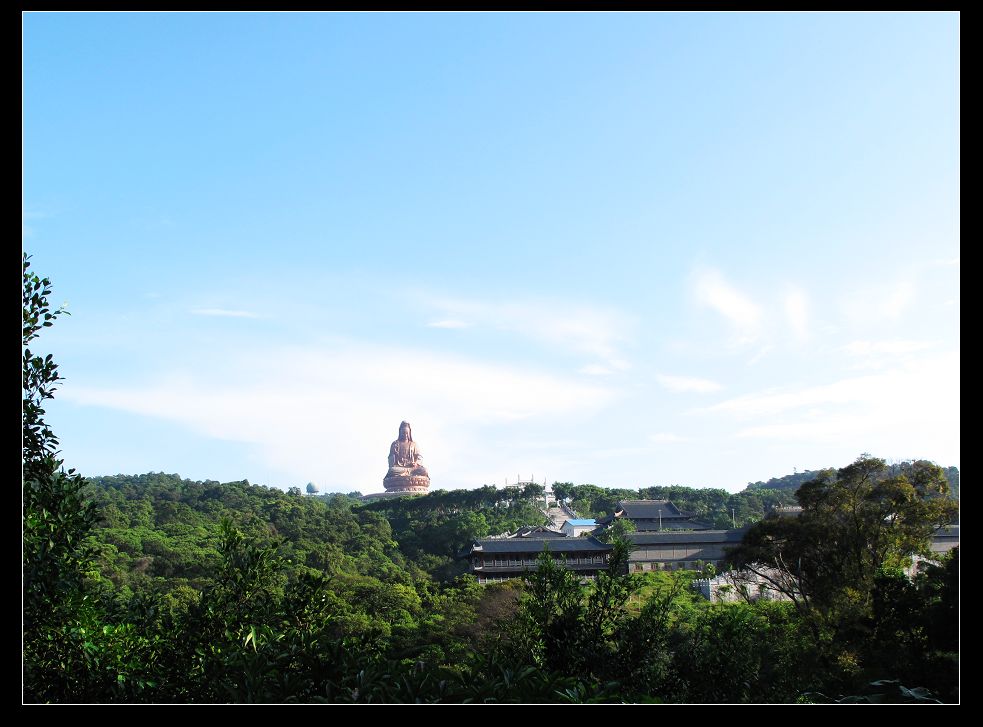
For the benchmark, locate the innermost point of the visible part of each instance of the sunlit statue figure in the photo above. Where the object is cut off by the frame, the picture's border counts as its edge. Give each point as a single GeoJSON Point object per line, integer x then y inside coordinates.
{"type": "Point", "coordinates": [406, 474]}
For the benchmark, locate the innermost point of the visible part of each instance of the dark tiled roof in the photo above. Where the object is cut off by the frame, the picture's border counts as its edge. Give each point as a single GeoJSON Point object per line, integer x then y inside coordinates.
{"type": "Point", "coordinates": [649, 509]}
{"type": "Point", "coordinates": [668, 537]}
{"type": "Point", "coordinates": [536, 545]}
{"type": "Point", "coordinates": [674, 525]}
{"type": "Point", "coordinates": [528, 531]}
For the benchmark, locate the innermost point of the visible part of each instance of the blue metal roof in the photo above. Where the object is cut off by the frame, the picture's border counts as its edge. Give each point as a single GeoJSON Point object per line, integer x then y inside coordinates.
{"type": "Point", "coordinates": [582, 522]}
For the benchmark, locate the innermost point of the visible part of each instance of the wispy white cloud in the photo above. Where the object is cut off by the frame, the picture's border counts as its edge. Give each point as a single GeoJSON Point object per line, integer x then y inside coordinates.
{"type": "Point", "coordinates": [616, 452]}
{"type": "Point", "coordinates": [778, 400]}
{"type": "Point", "coordinates": [913, 406]}
{"type": "Point", "coordinates": [30, 215]}
{"type": "Point", "coordinates": [878, 303]}
{"type": "Point", "coordinates": [897, 300]}
{"type": "Point", "coordinates": [711, 289]}
{"type": "Point", "coordinates": [797, 313]}
{"type": "Point", "coordinates": [224, 313]}
{"type": "Point", "coordinates": [902, 383]}
{"type": "Point", "coordinates": [864, 354]}
{"type": "Point", "coordinates": [335, 423]}
{"type": "Point", "coordinates": [889, 348]}
{"type": "Point", "coordinates": [760, 354]}
{"type": "Point", "coordinates": [595, 370]}
{"type": "Point", "coordinates": [666, 438]}
{"type": "Point", "coordinates": [576, 327]}
{"type": "Point", "coordinates": [449, 323]}
{"type": "Point", "coordinates": [688, 383]}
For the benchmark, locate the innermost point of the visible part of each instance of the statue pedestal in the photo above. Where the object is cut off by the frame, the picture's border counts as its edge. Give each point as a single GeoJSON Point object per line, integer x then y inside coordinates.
{"type": "Point", "coordinates": [389, 495]}
{"type": "Point", "coordinates": [410, 485]}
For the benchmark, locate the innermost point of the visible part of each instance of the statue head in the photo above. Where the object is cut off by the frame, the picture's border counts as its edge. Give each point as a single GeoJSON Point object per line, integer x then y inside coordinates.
{"type": "Point", "coordinates": [405, 432]}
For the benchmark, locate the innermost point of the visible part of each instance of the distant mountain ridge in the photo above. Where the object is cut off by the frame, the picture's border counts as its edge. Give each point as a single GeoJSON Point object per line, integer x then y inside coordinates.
{"type": "Point", "coordinates": [794, 481]}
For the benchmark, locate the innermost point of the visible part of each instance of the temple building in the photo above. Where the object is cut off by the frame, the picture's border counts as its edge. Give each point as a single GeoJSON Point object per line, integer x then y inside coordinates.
{"type": "Point", "coordinates": [666, 538]}
{"type": "Point", "coordinates": [499, 559]}
{"type": "Point", "coordinates": [681, 550]}
{"type": "Point", "coordinates": [655, 515]}
{"type": "Point", "coordinates": [945, 539]}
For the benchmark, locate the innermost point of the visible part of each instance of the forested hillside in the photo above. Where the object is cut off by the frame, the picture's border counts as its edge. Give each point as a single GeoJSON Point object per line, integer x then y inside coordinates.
{"type": "Point", "coordinates": [787, 482]}
{"type": "Point", "coordinates": [330, 599]}
{"type": "Point", "coordinates": [158, 532]}
{"type": "Point", "coordinates": [794, 481]}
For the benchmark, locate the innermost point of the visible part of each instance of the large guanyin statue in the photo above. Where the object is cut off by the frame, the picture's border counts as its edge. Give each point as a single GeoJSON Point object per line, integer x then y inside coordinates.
{"type": "Point", "coordinates": [405, 474]}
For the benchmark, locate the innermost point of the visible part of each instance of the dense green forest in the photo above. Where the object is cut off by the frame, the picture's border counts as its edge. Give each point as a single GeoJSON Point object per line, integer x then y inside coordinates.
{"type": "Point", "coordinates": [279, 597]}
{"type": "Point", "coordinates": [152, 588]}
{"type": "Point", "coordinates": [792, 482]}
{"type": "Point", "coordinates": [161, 534]}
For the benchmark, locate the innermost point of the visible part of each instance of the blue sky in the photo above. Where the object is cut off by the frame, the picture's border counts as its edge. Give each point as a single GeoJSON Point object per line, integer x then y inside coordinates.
{"type": "Point", "coordinates": [625, 249]}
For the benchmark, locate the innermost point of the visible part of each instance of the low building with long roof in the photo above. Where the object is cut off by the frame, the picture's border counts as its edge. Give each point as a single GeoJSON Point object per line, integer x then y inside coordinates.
{"type": "Point", "coordinates": [681, 550]}
{"type": "Point", "coordinates": [499, 559]}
